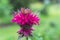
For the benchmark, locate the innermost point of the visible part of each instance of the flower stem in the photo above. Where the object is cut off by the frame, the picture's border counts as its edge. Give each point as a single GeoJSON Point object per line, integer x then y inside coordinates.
{"type": "Point", "coordinates": [26, 38]}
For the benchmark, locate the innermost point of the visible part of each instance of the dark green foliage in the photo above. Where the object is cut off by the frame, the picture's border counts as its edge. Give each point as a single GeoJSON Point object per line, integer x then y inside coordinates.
{"type": "Point", "coordinates": [44, 11]}
{"type": "Point", "coordinates": [17, 4]}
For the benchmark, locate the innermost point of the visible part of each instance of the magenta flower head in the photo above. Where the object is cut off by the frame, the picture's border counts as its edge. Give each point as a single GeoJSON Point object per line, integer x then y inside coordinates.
{"type": "Point", "coordinates": [25, 18]}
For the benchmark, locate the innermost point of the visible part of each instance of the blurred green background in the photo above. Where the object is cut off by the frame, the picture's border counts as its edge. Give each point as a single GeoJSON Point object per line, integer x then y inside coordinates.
{"type": "Point", "coordinates": [47, 10]}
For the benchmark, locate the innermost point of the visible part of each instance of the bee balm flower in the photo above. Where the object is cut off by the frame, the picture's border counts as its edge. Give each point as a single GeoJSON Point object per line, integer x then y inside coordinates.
{"type": "Point", "coordinates": [25, 18]}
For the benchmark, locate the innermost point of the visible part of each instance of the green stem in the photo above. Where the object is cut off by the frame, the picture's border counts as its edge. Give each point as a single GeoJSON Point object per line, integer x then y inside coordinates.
{"type": "Point", "coordinates": [26, 38]}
